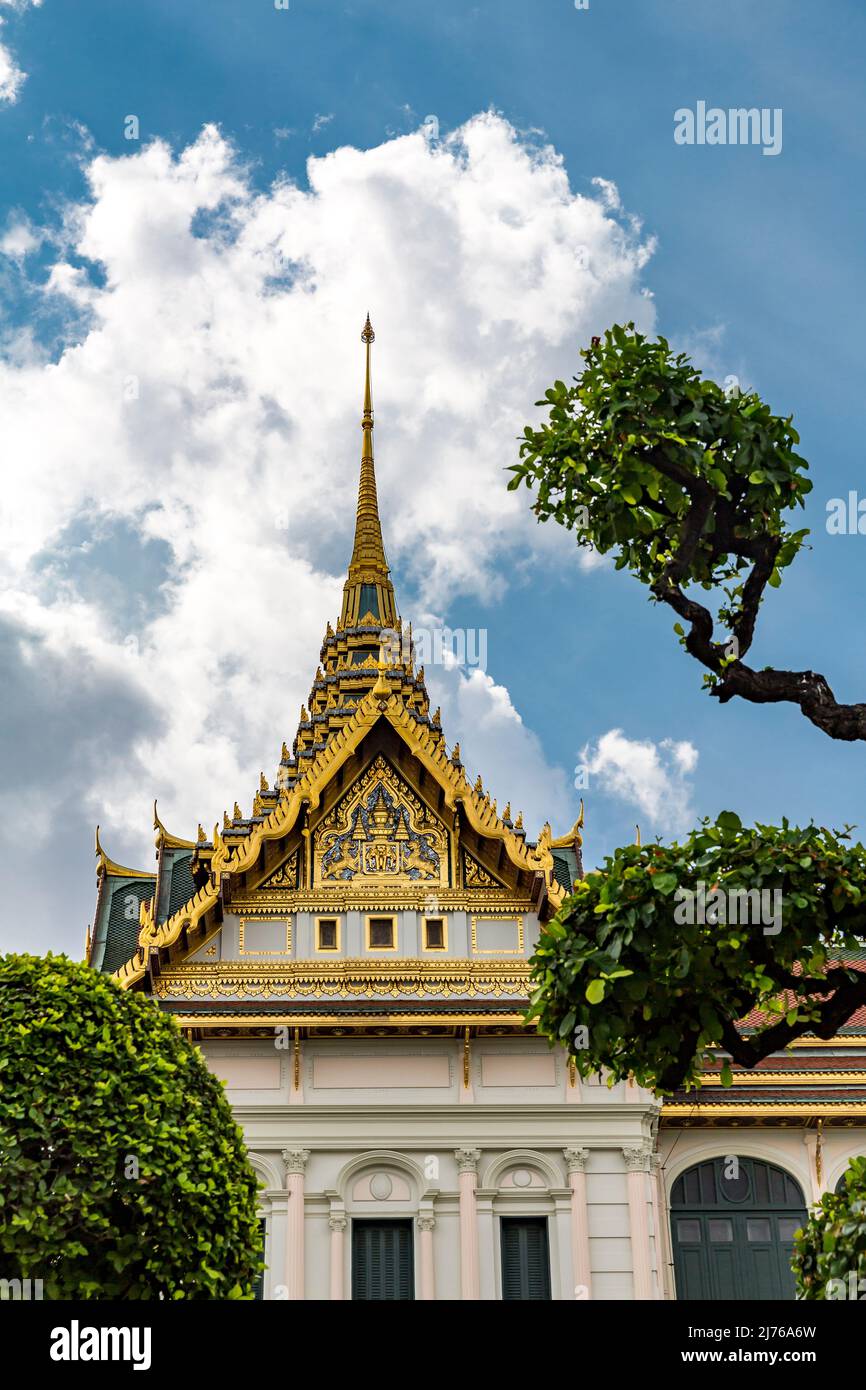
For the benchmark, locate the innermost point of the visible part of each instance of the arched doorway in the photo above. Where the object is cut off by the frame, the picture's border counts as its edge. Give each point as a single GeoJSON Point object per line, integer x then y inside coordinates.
{"type": "Point", "coordinates": [732, 1225]}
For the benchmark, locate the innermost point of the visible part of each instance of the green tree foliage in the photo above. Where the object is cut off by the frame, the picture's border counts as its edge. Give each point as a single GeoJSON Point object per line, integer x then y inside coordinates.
{"type": "Point", "coordinates": [830, 1251]}
{"type": "Point", "coordinates": [628, 983]}
{"type": "Point", "coordinates": [689, 486]}
{"type": "Point", "coordinates": [122, 1172]}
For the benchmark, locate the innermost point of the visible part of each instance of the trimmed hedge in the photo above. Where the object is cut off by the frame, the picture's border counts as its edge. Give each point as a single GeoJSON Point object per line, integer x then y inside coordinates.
{"type": "Point", "coordinates": [122, 1172]}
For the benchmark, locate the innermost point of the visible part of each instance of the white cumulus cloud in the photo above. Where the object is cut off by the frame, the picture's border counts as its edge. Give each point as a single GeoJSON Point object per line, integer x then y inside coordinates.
{"type": "Point", "coordinates": [202, 421]}
{"type": "Point", "coordinates": [11, 76]}
{"type": "Point", "coordinates": [652, 777]}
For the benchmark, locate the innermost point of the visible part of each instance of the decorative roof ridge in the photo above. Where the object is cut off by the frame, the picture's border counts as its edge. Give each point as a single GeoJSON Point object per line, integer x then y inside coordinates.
{"type": "Point", "coordinates": [108, 866]}
{"type": "Point", "coordinates": [166, 838]}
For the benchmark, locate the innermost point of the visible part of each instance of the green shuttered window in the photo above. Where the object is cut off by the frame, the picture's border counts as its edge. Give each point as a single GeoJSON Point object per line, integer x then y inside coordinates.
{"type": "Point", "coordinates": [525, 1258]}
{"type": "Point", "coordinates": [382, 1261]}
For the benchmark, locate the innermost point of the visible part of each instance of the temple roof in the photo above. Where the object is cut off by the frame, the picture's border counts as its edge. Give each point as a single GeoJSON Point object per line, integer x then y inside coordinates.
{"type": "Point", "coordinates": [366, 674]}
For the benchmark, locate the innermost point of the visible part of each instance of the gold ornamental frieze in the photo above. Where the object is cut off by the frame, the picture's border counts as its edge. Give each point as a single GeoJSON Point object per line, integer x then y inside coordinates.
{"type": "Point", "coordinates": [348, 979]}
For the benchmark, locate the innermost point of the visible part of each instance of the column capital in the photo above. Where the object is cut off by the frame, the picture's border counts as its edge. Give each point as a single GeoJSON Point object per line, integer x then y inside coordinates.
{"type": "Point", "coordinates": [426, 1222]}
{"type": "Point", "coordinates": [467, 1160]}
{"type": "Point", "coordinates": [338, 1222]}
{"type": "Point", "coordinates": [576, 1159]}
{"type": "Point", "coordinates": [637, 1160]}
{"type": "Point", "coordinates": [295, 1159]}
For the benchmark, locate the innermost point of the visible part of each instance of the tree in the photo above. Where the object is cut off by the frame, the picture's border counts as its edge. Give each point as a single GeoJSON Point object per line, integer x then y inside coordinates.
{"type": "Point", "coordinates": [830, 1251]}
{"type": "Point", "coordinates": [122, 1172]}
{"type": "Point", "coordinates": [689, 485]}
{"type": "Point", "coordinates": [660, 955]}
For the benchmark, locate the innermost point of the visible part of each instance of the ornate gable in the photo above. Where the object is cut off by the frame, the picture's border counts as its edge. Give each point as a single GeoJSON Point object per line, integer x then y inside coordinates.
{"type": "Point", "coordinates": [380, 832]}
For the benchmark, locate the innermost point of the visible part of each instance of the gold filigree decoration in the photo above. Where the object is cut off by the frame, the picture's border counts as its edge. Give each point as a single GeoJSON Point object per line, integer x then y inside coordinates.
{"type": "Point", "coordinates": [475, 876]}
{"type": "Point", "coordinates": [380, 832]}
{"type": "Point", "coordinates": [286, 876]}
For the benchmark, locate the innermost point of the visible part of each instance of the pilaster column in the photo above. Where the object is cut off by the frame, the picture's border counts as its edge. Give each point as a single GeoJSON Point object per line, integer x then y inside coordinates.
{"type": "Point", "coordinates": [426, 1224]}
{"type": "Point", "coordinates": [637, 1162]}
{"type": "Point", "coordinates": [296, 1162]}
{"type": "Point", "coordinates": [467, 1167]}
{"type": "Point", "coordinates": [338, 1222]}
{"type": "Point", "coordinates": [660, 1221]}
{"type": "Point", "coordinates": [576, 1161]}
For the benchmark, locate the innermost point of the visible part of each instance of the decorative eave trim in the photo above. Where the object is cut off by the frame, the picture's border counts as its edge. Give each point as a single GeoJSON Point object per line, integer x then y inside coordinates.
{"type": "Point", "coordinates": [165, 839]}
{"type": "Point", "coordinates": [108, 866]}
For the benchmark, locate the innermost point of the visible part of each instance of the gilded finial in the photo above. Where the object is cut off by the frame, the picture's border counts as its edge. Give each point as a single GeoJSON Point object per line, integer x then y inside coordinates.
{"type": "Point", "coordinates": [420, 676]}
{"type": "Point", "coordinates": [455, 756]}
{"type": "Point", "coordinates": [319, 675]}
{"type": "Point", "coordinates": [227, 825]}
{"type": "Point", "coordinates": [506, 814]}
{"type": "Point", "coordinates": [518, 824]}
{"type": "Point", "coordinates": [202, 837]}
{"type": "Point", "coordinates": [285, 752]}
{"type": "Point", "coordinates": [367, 334]}
{"type": "Point", "coordinates": [238, 814]}
{"type": "Point", "coordinates": [573, 837]}
{"type": "Point", "coordinates": [479, 785]}
{"type": "Point", "coordinates": [329, 631]}
{"type": "Point", "coordinates": [304, 716]}
{"type": "Point", "coordinates": [263, 783]}
{"type": "Point", "coordinates": [437, 717]}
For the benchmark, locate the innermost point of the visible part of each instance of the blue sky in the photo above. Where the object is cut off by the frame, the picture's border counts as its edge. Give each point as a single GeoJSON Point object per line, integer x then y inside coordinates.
{"type": "Point", "coordinates": [753, 263]}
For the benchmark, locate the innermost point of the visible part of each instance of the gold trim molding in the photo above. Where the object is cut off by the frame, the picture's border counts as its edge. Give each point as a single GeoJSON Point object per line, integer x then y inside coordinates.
{"type": "Point", "coordinates": [346, 979]}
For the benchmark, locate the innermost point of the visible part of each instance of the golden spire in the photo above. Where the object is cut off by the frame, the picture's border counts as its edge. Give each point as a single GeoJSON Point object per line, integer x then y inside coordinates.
{"type": "Point", "coordinates": [368, 586]}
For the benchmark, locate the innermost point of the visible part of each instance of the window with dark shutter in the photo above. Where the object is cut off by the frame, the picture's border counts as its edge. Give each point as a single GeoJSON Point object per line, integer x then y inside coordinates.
{"type": "Point", "coordinates": [434, 934]}
{"type": "Point", "coordinates": [525, 1258]}
{"type": "Point", "coordinates": [382, 1261]}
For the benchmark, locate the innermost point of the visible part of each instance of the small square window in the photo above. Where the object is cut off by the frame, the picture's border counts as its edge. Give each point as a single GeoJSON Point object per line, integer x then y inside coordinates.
{"type": "Point", "coordinates": [434, 934]}
{"type": "Point", "coordinates": [758, 1229]}
{"type": "Point", "coordinates": [688, 1231]}
{"type": "Point", "coordinates": [327, 934]}
{"type": "Point", "coordinates": [381, 934]}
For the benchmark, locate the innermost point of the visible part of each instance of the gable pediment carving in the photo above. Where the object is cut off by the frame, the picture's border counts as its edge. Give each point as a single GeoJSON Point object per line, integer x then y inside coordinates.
{"type": "Point", "coordinates": [380, 831]}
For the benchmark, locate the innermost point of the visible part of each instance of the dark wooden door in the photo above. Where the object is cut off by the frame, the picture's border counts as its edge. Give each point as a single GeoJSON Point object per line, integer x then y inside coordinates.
{"type": "Point", "coordinates": [732, 1226]}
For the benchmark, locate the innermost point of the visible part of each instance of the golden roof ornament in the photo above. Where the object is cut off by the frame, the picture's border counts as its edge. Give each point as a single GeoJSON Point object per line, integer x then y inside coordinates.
{"type": "Point", "coordinates": [506, 814]}
{"type": "Point", "coordinates": [518, 824]}
{"type": "Point", "coordinates": [479, 785]}
{"type": "Point", "coordinates": [304, 716]}
{"type": "Point", "coordinates": [238, 814]}
{"type": "Point", "coordinates": [573, 837]}
{"type": "Point", "coordinates": [227, 825]}
{"type": "Point", "coordinates": [437, 717]}
{"type": "Point", "coordinates": [455, 756]}
{"type": "Point", "coordinates": [263, 783]}
{"type": "Point", "coordinates": [202, 837]}
{"type": "Point", "coordinates": [285, 752]}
